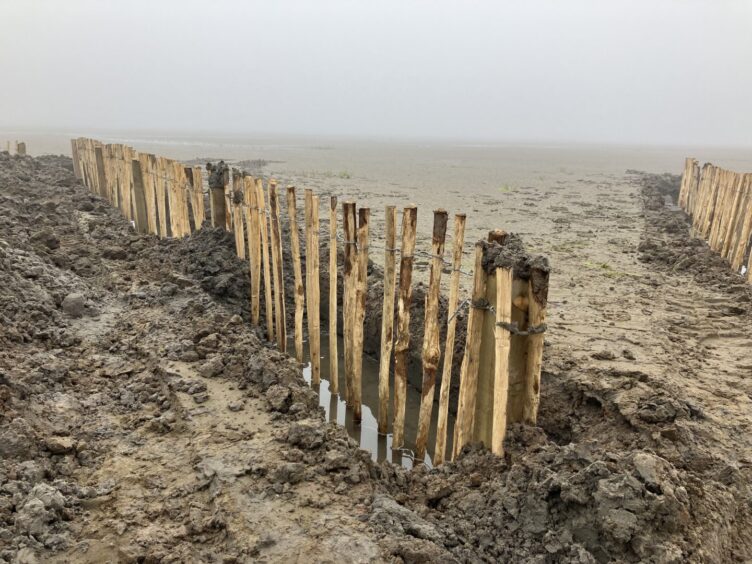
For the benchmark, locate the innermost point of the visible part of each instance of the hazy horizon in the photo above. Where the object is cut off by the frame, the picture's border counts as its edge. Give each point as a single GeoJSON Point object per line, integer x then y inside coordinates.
{"type": "Point", "coordinates": [664, 73]}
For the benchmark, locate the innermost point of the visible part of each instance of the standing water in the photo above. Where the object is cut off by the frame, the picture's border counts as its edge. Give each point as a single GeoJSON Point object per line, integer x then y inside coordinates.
{"type": "Point", "coordinates": [366, 433]}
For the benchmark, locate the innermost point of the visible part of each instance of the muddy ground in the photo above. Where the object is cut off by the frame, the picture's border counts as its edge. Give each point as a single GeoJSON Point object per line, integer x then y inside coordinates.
{"type": "Point", "coordinates": [143, 420]}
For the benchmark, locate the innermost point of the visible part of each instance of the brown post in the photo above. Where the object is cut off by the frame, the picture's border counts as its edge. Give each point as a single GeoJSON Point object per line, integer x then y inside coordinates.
{"type": "Point", "coordinates": [254, 246]}
{"type": "Point", "coordinates": [314, 309]}
{"type": "Point", "coordinates": [217, 180]}
{"type": "Point", "coordinates": [402, 345]}
{"type": "Point", "coordinates": [333, 358]}
{"type": "Point", "coordinates": [537, 299]}
{"type": "Point", "coordinates": [228, 190]}
{"type": "Point", "coordinates": [431, 349]}
{"type": "Point", "coordinates": [139, 195]}
{"type": "Point", "coordinates": [279, 281]}
{"type": "Point", "coordinates": [101, 174]}
{"type": "Point", "coordinates": [348, 312]}
{"type": "Point", "coordinates": [197, 197]}
{"type": "Point", "coordinates": [161, 194]}
{"type": "Point", "coordinates": [298, 272]}
{"type": "Point", "coordinates": [237, 224]}
{"type": "Point", "coordinates": [745, 228]}
{"type": "Point", "coordinates": [74, 156]}
{"type": "Point", "coordinates": [387, 317]}
{"type": "Point", "coordinates": [469, 371]}
{"type": "Point", "coordinates": [502, 337]}
{"type": "Point", "coordinates": [361, 293]}
{"type": "Point", "coordinates": [446, 374]}
{"type": "Point", "coordinates": [20, 148]}
{"type": "Point", "coordinates": [150, 195]}
{"type": "Point", "coordinates": [265, 254]}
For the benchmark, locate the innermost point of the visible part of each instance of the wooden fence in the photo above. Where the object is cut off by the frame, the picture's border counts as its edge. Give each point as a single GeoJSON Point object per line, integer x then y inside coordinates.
{"type": "Point", "coordinates": [719, 204]}
{"type": "Point", "coordinates": [501, 367]}
{"type": "Point", "coordinates": [20, 147]}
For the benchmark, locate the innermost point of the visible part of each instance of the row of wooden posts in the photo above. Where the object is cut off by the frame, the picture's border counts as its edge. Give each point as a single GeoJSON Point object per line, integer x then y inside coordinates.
{"type": "Point", "coordinates": [20, 147]}
{"type": "Point", "coordinates": [719, 203]}
{"type": "Point", "coordinates": [238, 202]}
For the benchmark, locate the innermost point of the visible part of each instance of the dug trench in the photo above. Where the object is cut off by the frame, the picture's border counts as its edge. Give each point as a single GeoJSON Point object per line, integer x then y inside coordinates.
{"type": "Point", "coordinates": [143, 420]}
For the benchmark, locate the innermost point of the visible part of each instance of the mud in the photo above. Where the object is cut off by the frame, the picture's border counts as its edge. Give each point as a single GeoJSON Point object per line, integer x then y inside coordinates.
{"type": "Point", "coordinates": [144, 421]}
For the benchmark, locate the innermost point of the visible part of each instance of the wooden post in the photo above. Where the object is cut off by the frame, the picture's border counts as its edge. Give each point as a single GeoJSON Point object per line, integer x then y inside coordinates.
{"type": "Point", "coordinates": [74, 157]}
{"type": "Point", "coordinates": [501, 367]}
{"type": "Point", "coordinates": [431, 349]}
{"type": "Point", "coordinates": [298, 272]}
{"type": "Point", "coordinates": [446, 374]}
{"type": "Point", "coordinates": [469, 370]}
{"type": "Point", "coordinates": [21, 148]}
{"type": "Point", "coordinates": [101, 174]}
{"type": "Point", "coordinates": [139, 197]}
{"type": "Point", "coordinates": [537, 299]}
{"type": "Point", "coordinates": [361, 294]}
{"type": "Point", "coordinates": [197, 197]}
{"type": "Point", "coordinates": [150, 195]}
{"type": "Point", "coordinates": [314, 309]}
{"type": "Point", "coordinates": [254, 246]}
{"type": "Point", "coordinates": [402, 345]}
{"type": "Point", "coordinates": [333, 352]}
{"type": "Point", "coordinates": [387, 317]}
{"type": "Point", "coordinates": [745, 228]}
{"type": "Point", "coordinates": [217, 180]}
{"type": "Point", "coordinates": [265, 254]}
{"type": "Point", "coordinates": [237, 224]}
{"type": "Point", "coordinates": [348, 313]}
{"type": "Point", "coordinates": [279, 282]}
{"type": "Point", "coordinates": [227, 191]}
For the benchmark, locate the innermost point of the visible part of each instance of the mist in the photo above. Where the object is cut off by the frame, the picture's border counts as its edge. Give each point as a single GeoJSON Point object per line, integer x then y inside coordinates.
{"type": "Point", "coordinates": [637, 72]}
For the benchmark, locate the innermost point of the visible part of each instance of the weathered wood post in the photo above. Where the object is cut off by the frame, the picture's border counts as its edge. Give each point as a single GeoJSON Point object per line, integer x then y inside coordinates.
{"type": "Point", "coordinates": [297, 271]}
{"type": "Point", "coordinates": [402, 345]}
{"type": "Point", "coordinates": [469, 371]}
{"type": "Point", "coordinates": [20, 148]}
{"type": "Point", "coordinates": [314, 310]}
{"type": "Point", "coordinates": [150, 194]}
{"type": "Point", "coordinates": [348, 313]}
{"type": "Point", "coordinates": [262, 211]}
{"type": "Point", "coordinates": [333, 353]}
{"type": "Point", "coordinates": [236, 200]}
{"type": "Point", "coordinates": [387, 317]}
{"type": "Point", "coordinates": [197, 197]}
{"type": "Point", "coordinates": [74, 156]}
{"type": "Point", "coordinates": [431, 349]}
{"type": "Point", "coordinates": [501, 365]}
{"type": "Point", "coordinates": [361, 294]}
{"type": "Point", "coordinates": [139, 196]}
{"type": "Point", "coordinates": [101, 173]}
{"type": "Point", "coordinates": [217, 193]}
{"type": "Point", "coordinates": [446, 374]}
{"type": "Point", "coordinates": [254, 246]}
{"type": "Point", "coordinates": [537, 299]}
{"type": "Point", "coordinates": [279, 282]}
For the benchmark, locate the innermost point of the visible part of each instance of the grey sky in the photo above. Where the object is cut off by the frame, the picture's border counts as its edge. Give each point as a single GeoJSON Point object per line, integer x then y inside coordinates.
{"type": "Point", "coordinates": [631, 71]}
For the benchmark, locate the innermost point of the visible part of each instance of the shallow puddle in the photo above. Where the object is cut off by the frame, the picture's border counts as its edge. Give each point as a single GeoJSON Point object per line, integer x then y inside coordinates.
{"type": "Point", "coordinates": [366, 433]}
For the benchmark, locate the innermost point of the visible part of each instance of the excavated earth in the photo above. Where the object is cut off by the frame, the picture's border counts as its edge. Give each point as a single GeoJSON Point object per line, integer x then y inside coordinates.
{"type": "Point", "coordinates": [142, 419]}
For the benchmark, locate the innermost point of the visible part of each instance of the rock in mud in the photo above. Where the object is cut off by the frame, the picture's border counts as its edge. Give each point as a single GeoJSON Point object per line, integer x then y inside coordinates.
{"type": "Point", "coordinates": [74, 305]}
{"type": "Point", "coordinates": [212, 367]}
{"type": "Point", "coordinates": [306, 434]}
{"type": "Point", "coordinates": [391, 516]}
{"type": "Point", "coordinates": [279, 398]}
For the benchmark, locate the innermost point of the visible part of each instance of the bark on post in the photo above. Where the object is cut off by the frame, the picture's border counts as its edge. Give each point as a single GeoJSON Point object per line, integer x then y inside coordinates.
{"type": "Point", "coordinates": [387, 317]}
{"type": "Point", "coordinates": [431, 349]}
{"type": "Point", "coordinates": [469, 370]}
{"type": "Point", "coordinates": [536, 315]}
{"type": "Point", "coordinates": [314, 311]}
{"type": "Point", "coordinates": [333, 358]}
{"type": "Point", "coordinates": [446, 374]}
{"type": "Point", "coordinates": [402, 345]}
{"type": "Point", "coordinates": [348, 213]}
{"type": "Point", "coordinates": [279, 282]}
{"type": "Point", "coordinates": [364, 215]}
{"type": "Point", "coordinates": [502, 337]}
{"type": "Point", "coordinates": [265, 257]}
{"type": "Point", "coordinates": [297, 271]}
{"type": "Point", "coordinates": [254, 246]}
{"type": "Point", "coordinates": [139, 196]}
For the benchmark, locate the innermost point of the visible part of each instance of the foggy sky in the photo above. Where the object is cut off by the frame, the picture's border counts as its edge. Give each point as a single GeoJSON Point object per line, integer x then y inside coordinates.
{"type": "Point", "coordinates": [623, 71]}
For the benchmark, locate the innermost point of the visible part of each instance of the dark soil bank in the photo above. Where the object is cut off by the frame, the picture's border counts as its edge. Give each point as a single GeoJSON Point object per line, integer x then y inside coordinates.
{"type": "Point", "coordinates": [143, 420]}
